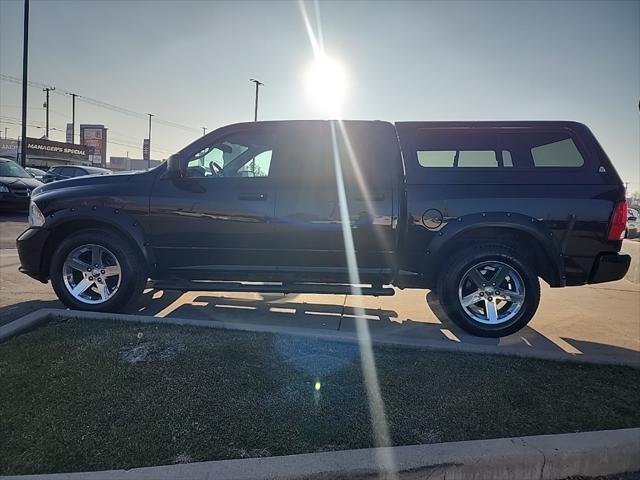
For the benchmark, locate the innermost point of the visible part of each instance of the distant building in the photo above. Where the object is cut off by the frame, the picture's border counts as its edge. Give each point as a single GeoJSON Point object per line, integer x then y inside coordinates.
{"type": "Point", "coordinates": [128, 164]}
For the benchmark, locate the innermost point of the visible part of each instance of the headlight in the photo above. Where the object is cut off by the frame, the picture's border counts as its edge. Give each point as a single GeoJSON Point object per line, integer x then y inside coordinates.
{"type": "Point", "coordinates": [4, 189]}
{"type": "Point", "coordinates": [36, 218]}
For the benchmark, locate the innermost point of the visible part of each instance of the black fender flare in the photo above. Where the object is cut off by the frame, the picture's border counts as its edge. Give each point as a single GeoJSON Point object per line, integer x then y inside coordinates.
{"type": "Point", "coordinates": [120, 221]}
{"type": "Point", "coordinates": [456, 227]}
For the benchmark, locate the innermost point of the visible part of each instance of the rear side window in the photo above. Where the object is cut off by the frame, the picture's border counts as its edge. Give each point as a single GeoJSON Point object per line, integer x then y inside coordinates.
{"type": "Point", "coordinates": [457, 158]}
{"type": "Point", "coordinates": [494, 154]}
{"type": "Point", "coordinates": [562, 153]}
{"type": "Point", "coordinates": [495, 149]}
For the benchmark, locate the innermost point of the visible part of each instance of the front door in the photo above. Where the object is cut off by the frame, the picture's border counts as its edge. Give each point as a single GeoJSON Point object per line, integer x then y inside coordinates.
{"type": "Point", "coordinates": [217, 218]}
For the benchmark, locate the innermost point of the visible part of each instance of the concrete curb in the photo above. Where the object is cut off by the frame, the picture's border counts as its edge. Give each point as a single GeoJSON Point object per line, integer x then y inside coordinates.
{"type": "Point", "coordinates": [43, 315]}
{"type": "Point", "coordinates": [544, 457]}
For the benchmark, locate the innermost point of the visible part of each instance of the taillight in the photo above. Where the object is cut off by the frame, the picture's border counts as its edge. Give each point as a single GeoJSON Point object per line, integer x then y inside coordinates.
{"type": "Point", "coordinates": [618, 222]}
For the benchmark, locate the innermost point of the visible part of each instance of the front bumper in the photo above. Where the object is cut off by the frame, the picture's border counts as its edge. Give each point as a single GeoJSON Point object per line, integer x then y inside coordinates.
{"type": "Point", "coordinates": [30, 246]}
{"type": "Point", "coordinates": [9, 201]}
{"type": "Point", "coordinates": [609, 267]}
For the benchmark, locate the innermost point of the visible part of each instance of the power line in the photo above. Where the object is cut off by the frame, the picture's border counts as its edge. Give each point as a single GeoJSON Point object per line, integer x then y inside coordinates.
{"type": "Point", "coordinates": [120, 142]}
{"type": "Point", "coordinates": [100, 103]}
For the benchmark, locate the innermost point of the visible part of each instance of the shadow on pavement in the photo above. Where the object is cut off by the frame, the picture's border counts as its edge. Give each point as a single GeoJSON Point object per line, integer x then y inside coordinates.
{"type": "Point", "coordinates": [17, 310]}
{"type": "Point", "coordinates": [284, 310]}
{"type": "Point", "coordinates": [334, 314]}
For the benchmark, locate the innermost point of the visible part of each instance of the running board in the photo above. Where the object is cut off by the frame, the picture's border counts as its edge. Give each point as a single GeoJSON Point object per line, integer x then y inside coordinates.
{"type": "Point", "coordinates": [322, 288]}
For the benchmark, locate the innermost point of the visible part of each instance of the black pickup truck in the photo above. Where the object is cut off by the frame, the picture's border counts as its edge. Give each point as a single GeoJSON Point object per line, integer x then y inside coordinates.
{"type": "Point", "coordinates": [477, 211]}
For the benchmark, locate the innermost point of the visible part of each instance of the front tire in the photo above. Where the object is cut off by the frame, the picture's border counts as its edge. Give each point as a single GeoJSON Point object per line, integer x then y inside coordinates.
{"type": "Point", "coordinates": [97, 270]}
{"type": "Point", "coordinates": [489, 290]}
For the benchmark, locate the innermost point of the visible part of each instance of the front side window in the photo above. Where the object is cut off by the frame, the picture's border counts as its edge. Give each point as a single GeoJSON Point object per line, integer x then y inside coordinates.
{"type": "Point", "coordinates": [246, 154]}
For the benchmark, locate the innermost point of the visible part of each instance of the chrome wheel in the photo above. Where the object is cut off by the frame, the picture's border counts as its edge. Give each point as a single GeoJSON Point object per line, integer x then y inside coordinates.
{"type": "Point", "coordinates": [92, 274]}
{"type": "Point", "coordinates": [491, 292]}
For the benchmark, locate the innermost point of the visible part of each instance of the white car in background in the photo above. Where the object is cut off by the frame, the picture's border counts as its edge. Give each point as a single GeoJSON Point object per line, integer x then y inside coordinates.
{"type": "Point", "coordinates": [36, 172]}
{"type": "Point", "coordinates": [632, 223]}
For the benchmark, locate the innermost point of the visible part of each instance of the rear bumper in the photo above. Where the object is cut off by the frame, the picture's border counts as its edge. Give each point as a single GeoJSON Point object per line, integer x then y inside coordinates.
{"type": "Point", "coordinates": [30, 246]}
{"type": "Point", "coordinates": [609, 267]}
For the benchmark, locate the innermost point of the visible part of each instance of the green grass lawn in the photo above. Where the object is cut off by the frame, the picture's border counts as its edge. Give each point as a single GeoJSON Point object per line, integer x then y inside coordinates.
{"type": "Point", "coordinates": [73, 397]}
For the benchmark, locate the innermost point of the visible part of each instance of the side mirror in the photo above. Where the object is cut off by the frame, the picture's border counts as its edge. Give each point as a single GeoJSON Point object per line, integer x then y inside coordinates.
{"type": "Point", "coordinates": [173, 166]}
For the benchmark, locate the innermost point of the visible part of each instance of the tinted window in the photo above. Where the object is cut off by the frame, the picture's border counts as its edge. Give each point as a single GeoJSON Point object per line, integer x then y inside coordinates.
{"type": "Point", "coordinates": [477, 158]}
{"type": "Point", "coordinates": [67, 172]}
{"type": "Point", "coordinates": [436, 158]}
{"type": "Point", "coordinates": [367, 152]}
{"type": "Point", "coordinates": [506, 158]}
{"type": "Point", "coordinates": [562, 153]}
{"type": "Point", "coordinates": [457, 158]}
{"type": "Point", "coordinates": [441, 148]}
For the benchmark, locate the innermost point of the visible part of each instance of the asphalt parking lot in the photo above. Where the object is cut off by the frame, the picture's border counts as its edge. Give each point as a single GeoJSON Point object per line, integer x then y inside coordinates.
{"type": "Point", "coordinates": [602, 320]}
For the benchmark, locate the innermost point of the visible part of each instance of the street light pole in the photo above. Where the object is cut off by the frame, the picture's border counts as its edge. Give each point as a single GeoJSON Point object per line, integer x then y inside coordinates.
{"type": "Point", "coordinates": [149, 159]}
{"type": "Point", "coordinates": [258, 85]}
{"type": "Point", "coordinates": [25, 62]}
{"type": "Point", "coordinates": [47, 89]}
{"type": "Point", "coordinates": [204, 131]}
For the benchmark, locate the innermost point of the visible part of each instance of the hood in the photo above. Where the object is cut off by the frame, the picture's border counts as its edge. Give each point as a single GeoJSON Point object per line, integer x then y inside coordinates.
{"type": "Point", "coordinates": [29, 182]}
{"type": "Point", "coordinates": [88, 180]}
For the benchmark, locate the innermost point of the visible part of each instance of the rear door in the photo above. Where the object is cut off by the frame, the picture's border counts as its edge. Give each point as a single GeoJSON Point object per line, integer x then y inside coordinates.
{"type": "Point", "coordinates": [309, 224]}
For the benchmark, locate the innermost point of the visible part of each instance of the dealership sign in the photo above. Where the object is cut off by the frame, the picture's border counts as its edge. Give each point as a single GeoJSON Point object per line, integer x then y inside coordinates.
{"type": "Point", "coordinates": [146, 153]}
{"type": "Point", "coordinates": [42, 148]}
{"type": "Point", "coordinates": [95, 136]}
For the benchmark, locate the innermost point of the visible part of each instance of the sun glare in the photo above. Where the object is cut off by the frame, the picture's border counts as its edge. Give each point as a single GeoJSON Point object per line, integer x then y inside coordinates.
{"type": "Point", "coordinates": [326, 83]}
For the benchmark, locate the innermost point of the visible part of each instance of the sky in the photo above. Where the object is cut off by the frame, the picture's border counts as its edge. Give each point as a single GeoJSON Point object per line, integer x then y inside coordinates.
{"type": "Point", "coordinates": [189, 62]}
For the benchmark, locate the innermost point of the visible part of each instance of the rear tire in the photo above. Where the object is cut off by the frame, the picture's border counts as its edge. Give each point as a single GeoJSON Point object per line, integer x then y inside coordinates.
{"type": "Point", "coordinates": [489, 290]}
{"type": "Point", "coordinates": [97, 270]}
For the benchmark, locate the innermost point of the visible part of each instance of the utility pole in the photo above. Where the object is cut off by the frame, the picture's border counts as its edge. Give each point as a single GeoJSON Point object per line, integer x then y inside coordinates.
{"type": "Point", "coordinates": [255, 118]}
{"type": "Point", "coordinates": [73, 116]}
{"type": "Point", "coordinates": [25, 62]}
{"type": "Point", "coordinates": [5, 133]}
{"type": "Point", "coordinates": [204, 131]}
{"type": "Point", "coordinates": [258, 85]}
{"type": "Point", "coordinates": [46, 105]}
{"type": "Point", "coordinates": [149, 159]}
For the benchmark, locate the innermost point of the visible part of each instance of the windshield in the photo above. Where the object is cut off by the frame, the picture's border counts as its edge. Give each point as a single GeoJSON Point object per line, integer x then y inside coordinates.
{"type": "Point", "coordinates": [12, 169]}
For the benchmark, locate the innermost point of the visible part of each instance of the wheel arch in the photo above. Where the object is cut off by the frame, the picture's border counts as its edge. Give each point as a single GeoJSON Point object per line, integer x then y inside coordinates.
{"type": "Point", "coordinates": [64, 224]}
{"type": "Point", "coordinates": [526, 234]}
